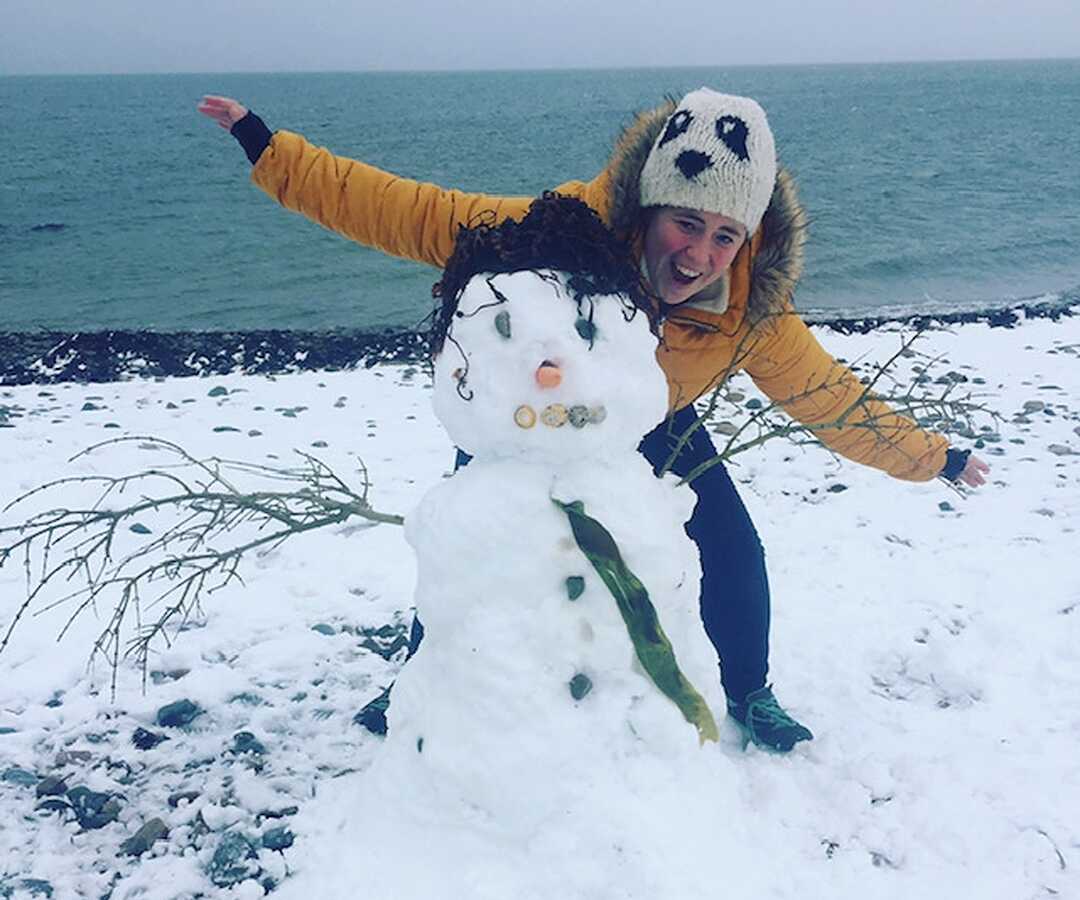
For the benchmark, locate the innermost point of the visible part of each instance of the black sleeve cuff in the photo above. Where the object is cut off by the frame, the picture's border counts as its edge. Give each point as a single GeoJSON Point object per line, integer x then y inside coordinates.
{"type": "Point", "coordinates": [955, 460]}
{"type": "Point", "coordinates": [253, 135]}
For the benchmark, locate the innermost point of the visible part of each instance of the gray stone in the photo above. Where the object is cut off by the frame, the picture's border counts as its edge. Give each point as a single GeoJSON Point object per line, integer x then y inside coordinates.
{"type": "Point", "coordinates": [246, 742]}
{"type": "Point", "coordinates": [585, 328]}
{"type": "Point", "coordinates": [51, 786]}
{"type": "Point", "coordinates": [277, 813]}
{"type": "Point", "coordinates": [580, 685]}
{"type": "Point", "coordinates": [247, 699]}
{"type": "Point", "coordinates": [725, 428]}
{"type": "Point", "coordinates": [144, 838]}
{"type": "Point", "coordinates": [1034, 406]}
{"type": "Point", "coordinates": [139, 528]}
{"type": "Point", "coordinates": [502, 324]}
{"type": "Point", "coordinates": [67, 757]}
{"type": "Point", "coordinates": [119, 770]}
{"type": "Point", "coordinates": [754, 403]}
{"type": "Point", "coordinates": [93, 809]}
{"type": "Point", "coordinates": [20, 777]}
{"type": "Point", "coordinates": [147, 740]}
{"type": "Point", "coordinates": [199, 828]}
{"type": "Point", "coordinates": [34, 887]}
{"type": "Point", "coordinates": [179, 797]}
{"type": "Point", "coordinates": [235, 860]}
{"type": "Point", "coordinates": [53, 804]}
{"type": "Point", "coordinates": [178, 714]}
{"type": "Point", "coordinates": [837, 488]}
{"type": "Point", "coordinates": [278, 838]}
{"type": "Point", "coordinates": [159, 676]}
{"type": "Point", "coordinates": [1061, 450]}
{"type": "Point", "coordinates": [575, 586]}
{"type": "Point", "coordinates": [945, 506]}
{"type": "Point", "coordinates": [218, 391]}
{"type": "Point", "coordinates": [323, 628]}
{"type": "Point", "coordinates": [386, 640]}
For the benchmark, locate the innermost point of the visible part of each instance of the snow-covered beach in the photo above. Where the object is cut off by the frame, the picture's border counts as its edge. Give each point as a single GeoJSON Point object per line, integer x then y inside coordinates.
{"type": "Point", "coordinates": [929, 639]}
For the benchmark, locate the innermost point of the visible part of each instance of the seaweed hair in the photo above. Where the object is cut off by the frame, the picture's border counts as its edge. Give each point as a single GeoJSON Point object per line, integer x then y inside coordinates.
{"type": "Point", "coordinates": [558, 233]}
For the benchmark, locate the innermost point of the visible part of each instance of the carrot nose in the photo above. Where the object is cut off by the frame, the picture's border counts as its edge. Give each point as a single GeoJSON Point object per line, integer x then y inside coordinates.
{"type": "Point", "coordinates": [548, 374]}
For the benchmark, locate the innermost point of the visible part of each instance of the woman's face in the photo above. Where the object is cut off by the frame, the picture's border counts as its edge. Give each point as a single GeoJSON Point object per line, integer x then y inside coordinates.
{"type": "Point", "coordinates": [686, 250]}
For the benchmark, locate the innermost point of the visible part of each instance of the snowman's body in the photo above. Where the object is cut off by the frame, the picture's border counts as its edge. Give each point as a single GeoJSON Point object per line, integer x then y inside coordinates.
{"type": "Point", "coordinates": [509, 767]}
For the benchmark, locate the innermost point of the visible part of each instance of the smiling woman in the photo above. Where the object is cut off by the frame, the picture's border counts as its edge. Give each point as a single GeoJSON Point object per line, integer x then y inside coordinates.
{"type": "Point", "coordinates": [686, 250]}
{"type": "Point", "coordinates": [694, 188]}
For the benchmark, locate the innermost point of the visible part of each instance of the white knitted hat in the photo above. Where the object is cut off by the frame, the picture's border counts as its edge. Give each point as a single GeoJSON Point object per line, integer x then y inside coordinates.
{"type": "Point", "coordinates": [716, 153]}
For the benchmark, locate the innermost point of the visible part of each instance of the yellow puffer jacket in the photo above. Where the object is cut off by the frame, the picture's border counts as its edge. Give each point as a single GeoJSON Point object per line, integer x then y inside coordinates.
{"type": "Point", "coordinates": [745, 322]}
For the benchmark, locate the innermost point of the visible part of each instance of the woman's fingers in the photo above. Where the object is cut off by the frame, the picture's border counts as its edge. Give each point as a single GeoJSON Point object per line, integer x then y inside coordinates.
{"type": "Point", "coordinates": [974, 471]}
{"type": "Point", "coordinates": [226, 111]}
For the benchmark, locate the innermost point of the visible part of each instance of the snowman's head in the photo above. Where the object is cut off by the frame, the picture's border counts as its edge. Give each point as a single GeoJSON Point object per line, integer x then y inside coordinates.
{"type": "Point", "coordinates": [544, 349]}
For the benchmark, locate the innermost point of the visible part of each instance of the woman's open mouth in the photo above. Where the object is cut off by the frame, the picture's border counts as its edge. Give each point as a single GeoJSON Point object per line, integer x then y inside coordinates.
{"type": "Point", "coordinates": [682, 275]}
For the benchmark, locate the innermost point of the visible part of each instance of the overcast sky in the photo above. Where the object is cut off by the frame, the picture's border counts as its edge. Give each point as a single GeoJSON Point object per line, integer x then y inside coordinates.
{"type": "Point", "coordinates": [96, 36]}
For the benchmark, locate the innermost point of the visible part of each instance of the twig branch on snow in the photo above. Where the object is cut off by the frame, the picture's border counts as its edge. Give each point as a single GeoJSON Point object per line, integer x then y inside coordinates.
{"type": "Point", "coordinates": [88, 553]}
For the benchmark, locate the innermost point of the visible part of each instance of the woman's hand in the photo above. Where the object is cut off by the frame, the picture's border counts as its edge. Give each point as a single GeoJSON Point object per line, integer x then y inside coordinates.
{"type": "Point", "coordinates": [974, 472]}
{"type": "Point", "coordinates": [223, 110]}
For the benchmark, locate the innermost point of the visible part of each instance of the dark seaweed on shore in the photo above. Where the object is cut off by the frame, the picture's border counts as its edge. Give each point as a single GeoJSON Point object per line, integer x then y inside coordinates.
{"type": "Point", "coordinates": [49, 357]}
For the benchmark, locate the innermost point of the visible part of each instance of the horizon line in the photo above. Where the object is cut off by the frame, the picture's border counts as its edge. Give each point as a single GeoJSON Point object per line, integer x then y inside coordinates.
{"type": "Point", "coordinates": [498, 69]}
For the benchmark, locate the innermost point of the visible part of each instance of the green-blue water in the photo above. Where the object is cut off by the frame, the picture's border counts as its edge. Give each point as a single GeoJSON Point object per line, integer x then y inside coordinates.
{"type": "Point", "coordinates": [930, 187]}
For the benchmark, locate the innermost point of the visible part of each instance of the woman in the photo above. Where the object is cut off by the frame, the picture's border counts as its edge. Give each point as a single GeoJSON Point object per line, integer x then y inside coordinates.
{"type": "Point", "coordinates": [695, 187]}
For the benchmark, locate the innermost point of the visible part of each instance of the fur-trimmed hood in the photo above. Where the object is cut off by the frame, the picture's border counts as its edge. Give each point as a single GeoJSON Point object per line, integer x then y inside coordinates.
{"type": "Point", "coordinates": [778, 261]}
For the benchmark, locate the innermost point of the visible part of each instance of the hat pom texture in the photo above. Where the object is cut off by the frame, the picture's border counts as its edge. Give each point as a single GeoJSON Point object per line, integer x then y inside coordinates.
{"type": "Point", "coordinates": [716, 153]}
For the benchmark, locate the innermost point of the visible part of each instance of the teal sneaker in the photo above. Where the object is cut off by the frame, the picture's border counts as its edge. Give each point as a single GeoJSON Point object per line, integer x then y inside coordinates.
{"type": "Point", "coordinates": [765, 722]}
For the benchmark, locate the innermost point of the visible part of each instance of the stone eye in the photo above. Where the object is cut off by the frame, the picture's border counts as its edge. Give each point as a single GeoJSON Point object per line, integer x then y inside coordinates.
{"type": "Point", "coordinates": [677, 124]}
{"type": "Point", "coordinates": [585, 329]}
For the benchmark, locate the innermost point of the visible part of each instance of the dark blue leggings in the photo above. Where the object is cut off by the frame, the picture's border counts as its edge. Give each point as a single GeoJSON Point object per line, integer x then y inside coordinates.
{"type": "Point", "coordinates": [734, 586]}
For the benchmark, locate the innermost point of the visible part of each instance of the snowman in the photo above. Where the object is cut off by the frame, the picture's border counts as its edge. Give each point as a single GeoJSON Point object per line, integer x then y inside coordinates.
{"type": "Point", "coordinates": [552, 730]}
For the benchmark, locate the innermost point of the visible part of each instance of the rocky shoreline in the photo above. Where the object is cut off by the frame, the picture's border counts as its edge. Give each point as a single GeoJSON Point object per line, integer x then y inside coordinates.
{"type": "Point", "coordinates": [51, 357]}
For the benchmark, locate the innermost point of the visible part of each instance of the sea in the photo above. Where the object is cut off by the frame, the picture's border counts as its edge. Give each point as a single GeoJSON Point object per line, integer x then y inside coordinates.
{"type": "Point", "coordinates": [931, 188]}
